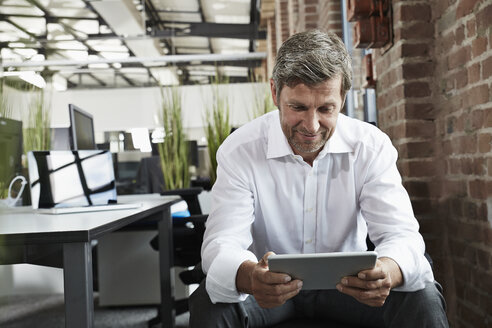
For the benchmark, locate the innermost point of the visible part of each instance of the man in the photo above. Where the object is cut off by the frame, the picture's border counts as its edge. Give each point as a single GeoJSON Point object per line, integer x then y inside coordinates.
{"type": "Point", "coordinates": [307, 179]}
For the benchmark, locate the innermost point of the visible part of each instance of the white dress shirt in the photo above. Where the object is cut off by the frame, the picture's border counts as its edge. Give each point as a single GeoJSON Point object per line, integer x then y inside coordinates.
{"type": "Point", "coordinates": [266, 198]}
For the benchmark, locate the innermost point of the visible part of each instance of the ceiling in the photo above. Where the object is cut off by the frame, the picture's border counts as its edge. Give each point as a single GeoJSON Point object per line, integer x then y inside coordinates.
{"type": "Point", "coordinates": [130, 43]}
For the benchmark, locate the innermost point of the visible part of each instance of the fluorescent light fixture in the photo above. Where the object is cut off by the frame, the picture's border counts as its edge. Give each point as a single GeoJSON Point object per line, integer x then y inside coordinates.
{"type": "Point", "coordinates": [33, 78]}
{"type": "Point", "coordinates": [29, 76]}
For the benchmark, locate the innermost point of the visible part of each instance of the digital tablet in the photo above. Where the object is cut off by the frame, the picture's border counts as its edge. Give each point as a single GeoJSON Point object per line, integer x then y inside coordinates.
{"type": "Point", "coordinates": [322, 270]}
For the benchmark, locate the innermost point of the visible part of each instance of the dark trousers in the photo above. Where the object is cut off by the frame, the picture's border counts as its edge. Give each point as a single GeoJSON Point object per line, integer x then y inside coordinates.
{"type": "Point", "coordinates": [329, 308]}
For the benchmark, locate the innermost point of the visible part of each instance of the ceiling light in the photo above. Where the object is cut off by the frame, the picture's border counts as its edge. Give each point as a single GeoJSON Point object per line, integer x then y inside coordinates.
{"type": "Point", "coordinates": [117, 65]}
{"type": "Point", "coordinates": [32, 77]}
{"type": "Point", "coordinates": [38, 57]}
{"type": "Point", "coordinates": [218, 5]}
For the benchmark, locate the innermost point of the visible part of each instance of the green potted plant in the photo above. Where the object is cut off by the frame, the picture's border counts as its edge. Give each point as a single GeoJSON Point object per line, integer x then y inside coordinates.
{"type": "Point", "coordinates": [37, 123]}
{"type": "Point", "coordinates": [5, 112]}
{"type": "Point", "coordinates": [218, 125]}
{"type": "Point", "coordinates": [173, 151]}
{"type": "Point", "coordinates": [263, 100]}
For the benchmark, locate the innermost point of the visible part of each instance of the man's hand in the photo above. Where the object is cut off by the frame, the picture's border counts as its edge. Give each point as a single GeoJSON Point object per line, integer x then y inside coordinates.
{"type": "Point", "coordinates": [270, 289]}
{"type": "Point", "coordinates": [372, 287]}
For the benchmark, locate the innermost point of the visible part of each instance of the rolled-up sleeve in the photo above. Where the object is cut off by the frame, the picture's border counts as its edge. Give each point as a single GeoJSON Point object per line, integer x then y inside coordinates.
{"type": "Point", "coordinates": [391, 223]}
{"type": "Point", "coordinates": [228, 230]}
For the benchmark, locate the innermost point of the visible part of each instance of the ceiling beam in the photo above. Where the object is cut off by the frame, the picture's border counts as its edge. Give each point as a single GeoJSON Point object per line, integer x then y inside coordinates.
{"type": "Point", "coordinates": [207, 58]}
{"type": "Point", "coordinates": [212, 30]}
{"type": "Point", "coordinates": [5, 16]}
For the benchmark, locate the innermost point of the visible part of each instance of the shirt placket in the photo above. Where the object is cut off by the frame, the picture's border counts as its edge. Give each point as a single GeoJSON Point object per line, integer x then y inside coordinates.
{"type": "Point", "coordinates": [309, 238]}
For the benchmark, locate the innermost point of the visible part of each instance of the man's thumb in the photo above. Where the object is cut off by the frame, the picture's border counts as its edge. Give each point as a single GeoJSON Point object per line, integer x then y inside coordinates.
{"type": "Point", "coordinates": [264, 260]}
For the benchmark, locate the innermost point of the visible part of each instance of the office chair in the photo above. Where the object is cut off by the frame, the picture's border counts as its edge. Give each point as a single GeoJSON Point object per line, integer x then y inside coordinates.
{"type": "Point", "coordinates": [187, 240]}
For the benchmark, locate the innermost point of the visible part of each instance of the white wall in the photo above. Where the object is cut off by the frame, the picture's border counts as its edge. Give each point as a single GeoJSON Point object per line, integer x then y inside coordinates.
{"type": "Point", "coordinates": [116, 110]}
{"type": "Point", "coordinates": [122, 109]}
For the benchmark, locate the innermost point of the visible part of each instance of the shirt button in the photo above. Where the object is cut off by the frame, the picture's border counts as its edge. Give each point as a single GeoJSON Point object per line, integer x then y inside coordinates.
{"type": "Point", "coordinates": [309, 241]}
{"type": "Point", "coordinates": [309, 210]}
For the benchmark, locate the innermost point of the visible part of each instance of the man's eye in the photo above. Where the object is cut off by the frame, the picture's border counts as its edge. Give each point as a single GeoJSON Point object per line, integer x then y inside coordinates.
{"type": "Point", "coordinates": [327, 109]}
{"type": "Point", "coordinates": [295, 107]}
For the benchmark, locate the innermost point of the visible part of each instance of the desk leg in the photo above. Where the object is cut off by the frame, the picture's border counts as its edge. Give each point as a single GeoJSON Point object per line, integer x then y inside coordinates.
{"type": "Point", "coordinates": [77, 274]}
{"type": "Point", "coordinates": [166, 262]}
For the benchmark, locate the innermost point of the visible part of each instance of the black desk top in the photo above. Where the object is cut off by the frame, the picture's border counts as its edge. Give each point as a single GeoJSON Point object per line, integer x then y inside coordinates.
{"type": "Point", "coordinates": [22, 225]}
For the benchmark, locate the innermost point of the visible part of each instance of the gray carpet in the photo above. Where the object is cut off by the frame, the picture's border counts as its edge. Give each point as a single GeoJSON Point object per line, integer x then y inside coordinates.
{"type": "Point", "coordinates": [47, 311]}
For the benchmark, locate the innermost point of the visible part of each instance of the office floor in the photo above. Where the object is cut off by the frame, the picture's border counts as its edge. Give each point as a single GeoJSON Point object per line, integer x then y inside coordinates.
{"type": "Point", "coordinates": [47, 311]}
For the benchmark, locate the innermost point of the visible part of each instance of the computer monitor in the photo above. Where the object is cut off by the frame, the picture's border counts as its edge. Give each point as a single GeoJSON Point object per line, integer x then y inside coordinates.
{"type": "Point", "coordinates": [11, 150]}
{"type": "Point", "coordinates": [81, 129]}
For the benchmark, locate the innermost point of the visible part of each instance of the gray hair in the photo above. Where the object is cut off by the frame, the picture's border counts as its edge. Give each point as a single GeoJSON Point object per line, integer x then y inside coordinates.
{"type": "Point", "coordinates": [312, 57]}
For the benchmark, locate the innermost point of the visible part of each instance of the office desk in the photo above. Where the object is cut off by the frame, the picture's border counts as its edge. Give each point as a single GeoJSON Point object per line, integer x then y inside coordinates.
{"type": "Point", "coordinates": [22, 229]}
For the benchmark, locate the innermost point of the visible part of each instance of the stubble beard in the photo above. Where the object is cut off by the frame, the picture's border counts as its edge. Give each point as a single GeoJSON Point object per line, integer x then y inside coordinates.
{"type": "Point", "coordinates": [306, 147]}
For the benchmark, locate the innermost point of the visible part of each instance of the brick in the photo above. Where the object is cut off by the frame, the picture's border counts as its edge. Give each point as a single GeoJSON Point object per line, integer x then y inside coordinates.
{"type": "Point", "coordinates": [487, 67]}
{"type": "Point", "coordinates": [415, 50]}
{"type": "Point", "coordinates": [474, 121]}
{"type": "Point", "coordinates": [484, 259]}
{"type": "Point", "coordinates": [479, 166]}
{"type": "Point", "coordinates": [416, 89]}
{"type": "Point", "coordinates": [459, 57]}
{"type": "Point", "coordinates": [467, 144]}
{"type": "Point", "coordinates": [484, 142]}
{"type": "Point", "coordinates": [477, 95]}
{"type": "Point", "coordinates": [477, 189]}
{"type": "Point", "coordinates": [417, 188]}
{"type": "Point", "coordinates": [483, 19]}
{"type": "Point", "coordinates": [488, 117]}
{"type": "Point", "coordinates": [465, 7]}
{"type": "Point", "coordinates": [420, 129]}
{"type": "Point", "coordinates": [424, 111]}
{"type": "Point", "coordinates": [417, 70]}
{"type": "Point", "coordinates": [479, 46]}
{"type": "Point", "coordinates": [417, 31]}
{"type": "Point", "coordinates": [413, 12]}
{"type": "Point", "coordinates": [421, 169]}
{"type": "Point", "coordinates": [471, 28]}
{"type": "Point", "coordinates": [454, 188]}
{"type": "Point", "coordinates": [474, 73]}
{"type": "Point", "coordinates": [461, 78]}
{"type": "Point", "coordinates": [459, 35]}
{"type": "Point", "coordinates": [420, 149]}
{"type": "Point", "coordinates": [311, 9]}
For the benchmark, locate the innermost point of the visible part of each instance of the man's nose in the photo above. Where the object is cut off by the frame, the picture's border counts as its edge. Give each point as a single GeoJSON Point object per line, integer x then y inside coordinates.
{"type": "Point", "coordinates": [311, 121]}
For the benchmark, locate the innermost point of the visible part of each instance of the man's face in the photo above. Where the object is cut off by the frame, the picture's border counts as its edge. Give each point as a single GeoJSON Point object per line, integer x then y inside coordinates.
{"type": "Point", "coordinates": [308, 115]}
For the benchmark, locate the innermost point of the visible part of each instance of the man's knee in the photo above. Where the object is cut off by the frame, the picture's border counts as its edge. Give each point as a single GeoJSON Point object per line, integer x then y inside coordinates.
{"type": "Point", "coordinates": [204, 313]}
{"type": "Point", "coordinates": [426, 306]}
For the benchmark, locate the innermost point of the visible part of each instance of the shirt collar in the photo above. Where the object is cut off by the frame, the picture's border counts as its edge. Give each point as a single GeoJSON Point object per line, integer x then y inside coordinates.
{"type": "Point", "coordinates": [278, 146]}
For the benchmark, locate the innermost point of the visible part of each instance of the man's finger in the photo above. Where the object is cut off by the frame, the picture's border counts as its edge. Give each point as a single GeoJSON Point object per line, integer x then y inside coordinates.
{"type": "Point", "coordinates": [268, 277]}
{"type": "Point", "coordinates": [362, 284]}
{"type": "Point", "coordinates": [264, 260]}
{"type": "Point", "coordinates": [357, 293]}
{"type": "Point", "coordinates": [281, 289]}
{"type": "Point", "coordinates": [372, 274]}
{"type": "Point", "coordinates": [270, 301]}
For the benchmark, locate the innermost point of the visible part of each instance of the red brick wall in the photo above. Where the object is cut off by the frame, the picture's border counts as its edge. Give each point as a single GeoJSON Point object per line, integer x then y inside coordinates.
{"type": "Point", "coordinates": [434, 99]}
{"type": "Point", "coordinates": [462, 88]}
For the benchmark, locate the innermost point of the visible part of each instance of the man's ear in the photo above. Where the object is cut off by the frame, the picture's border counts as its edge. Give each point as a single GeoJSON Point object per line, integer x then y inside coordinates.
{"type": "Point", "coordinates": [274, 92]}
